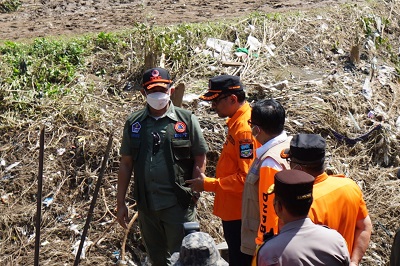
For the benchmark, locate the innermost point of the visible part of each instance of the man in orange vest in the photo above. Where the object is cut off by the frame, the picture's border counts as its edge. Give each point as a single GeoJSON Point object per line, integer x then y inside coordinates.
{"type": "Point", "coordinates": [258, 215]}
{"type": "Point", "coordinates": [228, 99]}
{"type": "Point", "coordinates": [338, 201]}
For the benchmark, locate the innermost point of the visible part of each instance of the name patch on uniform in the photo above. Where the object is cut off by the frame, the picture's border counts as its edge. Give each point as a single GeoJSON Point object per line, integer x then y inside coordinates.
{"type": "Point", "coordinates": [180, 135]}
{"type": "Point", "coordinates": [136, 127]}
{"type": "Point", "coordinates": [246, 150]}
{"type": "Point", "coordinates": [180, 127]}
{"type": "Point", "coordinates": [135, 135]}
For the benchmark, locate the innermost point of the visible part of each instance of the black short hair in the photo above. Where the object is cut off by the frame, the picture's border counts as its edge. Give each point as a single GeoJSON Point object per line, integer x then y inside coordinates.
{"type": "Point", "coordinates": [269, 115]}
{"type": "Point", "coordinates": [241, 95]}
{"type": "Point", "coordinates": [315, 169]}
{"type": "Point", "coordinates": [296, 208]}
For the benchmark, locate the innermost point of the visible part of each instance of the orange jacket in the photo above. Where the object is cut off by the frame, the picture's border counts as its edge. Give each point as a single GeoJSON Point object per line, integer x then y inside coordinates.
{"type": "Point", "coordinates": [339, 204]}
{"type": "Point", "coordinates": [236, 158]}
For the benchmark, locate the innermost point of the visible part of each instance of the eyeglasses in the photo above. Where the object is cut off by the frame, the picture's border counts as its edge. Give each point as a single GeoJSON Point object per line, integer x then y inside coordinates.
{"type": "Point", "coordinates": [251, 123]}
{"type": "Point", "coordinates": [218, 100]}
{"type": "Point", "coordinates": [156, 142]}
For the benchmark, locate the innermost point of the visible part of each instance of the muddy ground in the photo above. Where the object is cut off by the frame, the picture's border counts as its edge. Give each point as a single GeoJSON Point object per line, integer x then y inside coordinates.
{"type": "Point", "coordinates": [65, 17]}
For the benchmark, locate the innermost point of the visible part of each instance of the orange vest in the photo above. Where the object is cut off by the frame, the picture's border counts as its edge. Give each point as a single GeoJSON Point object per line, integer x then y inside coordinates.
{"type": "Point", "coordinates": [256, 184]}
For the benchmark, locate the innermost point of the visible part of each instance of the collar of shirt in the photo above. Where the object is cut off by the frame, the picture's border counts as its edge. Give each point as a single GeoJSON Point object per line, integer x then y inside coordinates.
{"type": "Point", "coordinates": [322, 177]}
{"type": "Point", "coordinates": [271, 143]}
{"type": "Point", "coordinates": [170, 113]}
{"type": "Point", "coordinates": [296, 224]}
{"type": "Point", "coordinates": [242, 110]}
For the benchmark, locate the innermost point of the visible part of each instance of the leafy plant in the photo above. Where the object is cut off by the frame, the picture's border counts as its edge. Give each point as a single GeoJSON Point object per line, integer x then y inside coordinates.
{"type": "Point", "coordinates": [9, 6]}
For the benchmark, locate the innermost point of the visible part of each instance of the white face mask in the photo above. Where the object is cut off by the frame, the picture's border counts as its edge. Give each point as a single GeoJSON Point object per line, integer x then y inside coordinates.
{"type": "Point", "coordinates": [158, 100]}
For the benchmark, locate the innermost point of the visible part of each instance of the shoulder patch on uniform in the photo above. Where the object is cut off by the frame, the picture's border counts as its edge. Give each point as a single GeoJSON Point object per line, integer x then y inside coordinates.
{"type": "Point", "coordinates": [180, 127]}
{"type": "Point", "coordinates": [136, 127]}
{"type": "Point", "coordinates": [246, 150]}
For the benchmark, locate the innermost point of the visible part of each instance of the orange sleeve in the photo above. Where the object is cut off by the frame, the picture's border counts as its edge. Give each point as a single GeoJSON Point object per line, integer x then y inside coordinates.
{"type": "Point", "coordinates": [233, 158]}
{"type": "Point", "coordinates": [363, 211]}
{"type": "Point", "coordinates": [268, 217]}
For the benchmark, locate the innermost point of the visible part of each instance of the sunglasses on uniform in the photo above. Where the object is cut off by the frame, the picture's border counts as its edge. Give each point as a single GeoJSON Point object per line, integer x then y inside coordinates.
{"type": "Point", "coordinates": [156, 142]}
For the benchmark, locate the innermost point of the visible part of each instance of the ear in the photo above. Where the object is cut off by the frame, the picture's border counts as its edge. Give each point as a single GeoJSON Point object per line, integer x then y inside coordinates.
{"type": "Point", "coordinates": [234, 98]}
{"type": "Point", "coordinates": [172, 89]}
{"type": "Point", "coordinates": [277, 206]}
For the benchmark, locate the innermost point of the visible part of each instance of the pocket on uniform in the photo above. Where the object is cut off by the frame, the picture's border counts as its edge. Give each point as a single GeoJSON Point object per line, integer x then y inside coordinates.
{"type": "Point", "coordinates": [181, 149]}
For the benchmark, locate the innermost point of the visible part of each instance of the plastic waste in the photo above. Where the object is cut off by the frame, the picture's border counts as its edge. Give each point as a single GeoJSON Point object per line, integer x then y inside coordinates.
{"type": "Point", "coordinates": [371, 114]}
{"type": "Point", "coordinates": [6, 198]}
{"type": "Point", "coordinates": [398, 123]}
{"type": "Point", "coordinates": [221, 46]}
{"type": "Point", "coordinates": [384, 74]}
{"type": "Point", "coordinates": [61, 151]}
{"type": "Point", "coordinates": [190, 97]}
{"type": "Point", "coordinates": [366, 89]}
{"type": "Point", "coordinates": [116, 254]}
{"type": "Point", "coordinates": [11, 166]}
{"type": "Point", "coordinates": [354, 121]}
{"type": "Point", "coordinates": [86, 245]}
{"type": "Point", "coordinates": [74, 228]}
{"type": "Point", "coordinates": [253, 43]}
{"type": "Point", "coordinates": [48, 201]}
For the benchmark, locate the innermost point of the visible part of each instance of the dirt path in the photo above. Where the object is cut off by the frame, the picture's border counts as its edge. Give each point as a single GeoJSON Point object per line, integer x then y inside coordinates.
{"type": "Point", "coordinates": [40, 18]}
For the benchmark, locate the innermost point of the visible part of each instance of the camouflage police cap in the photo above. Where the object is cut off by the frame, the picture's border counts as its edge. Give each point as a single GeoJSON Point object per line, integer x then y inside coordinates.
{"type": "Point", "coordinates": [198, 249]}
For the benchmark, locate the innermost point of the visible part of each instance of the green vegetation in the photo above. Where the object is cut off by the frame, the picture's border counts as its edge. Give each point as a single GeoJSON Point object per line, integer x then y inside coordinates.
{"type": "Point", "coordinates": [9, 6]}
{"type": "Point", "coordinates": [44, 66]}
{"type": "Point", "coordinates": [48, 67]}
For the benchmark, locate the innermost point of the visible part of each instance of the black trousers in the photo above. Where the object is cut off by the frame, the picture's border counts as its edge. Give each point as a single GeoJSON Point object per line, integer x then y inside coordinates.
{"type": "Point", "coordinates": [232, 234]}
